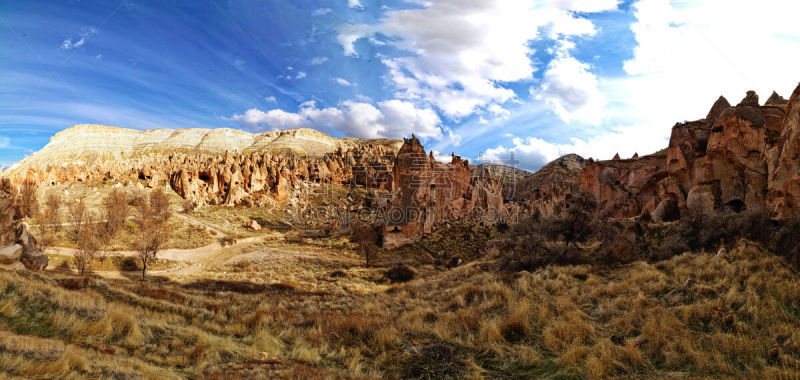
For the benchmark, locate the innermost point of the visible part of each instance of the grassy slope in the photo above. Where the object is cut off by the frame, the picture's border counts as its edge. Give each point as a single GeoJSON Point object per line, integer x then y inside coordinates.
{"type": "Point", "coordinates": [693, 315]}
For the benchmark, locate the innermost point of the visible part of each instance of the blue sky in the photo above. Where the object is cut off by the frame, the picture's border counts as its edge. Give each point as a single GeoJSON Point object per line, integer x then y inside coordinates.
{"type": "Point", "coordinates": [483, 78]}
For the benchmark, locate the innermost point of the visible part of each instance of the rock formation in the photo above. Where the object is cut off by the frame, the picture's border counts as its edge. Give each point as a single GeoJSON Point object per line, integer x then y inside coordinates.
{"type": "Point", "coordinates": [209, 167]}
{"type": "Point", "coordinates": [739, 157]}
{"type": "Point", "coordinates": [228, 167]}
{"type": "Point", "coordinates": [426, 192]}
{"type": "Point", "coordinates": [549, 186]}
{"type": "Point", "coordinates": [18, 249]}
{"type": "Point", "coordinates": [784, 163]}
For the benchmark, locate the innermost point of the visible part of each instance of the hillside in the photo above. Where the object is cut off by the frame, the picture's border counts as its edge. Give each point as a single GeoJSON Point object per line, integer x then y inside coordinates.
{"type": "Point", "coordinates": [85, 143]}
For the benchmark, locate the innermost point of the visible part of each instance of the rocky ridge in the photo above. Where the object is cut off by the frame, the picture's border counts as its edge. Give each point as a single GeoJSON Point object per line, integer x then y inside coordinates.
{"type": "Point", "coordinates": [277, 165]}
{"type": "Point", "coordinates": [88, 143]}
{"type": "Point", "coordinates": [738, 157]}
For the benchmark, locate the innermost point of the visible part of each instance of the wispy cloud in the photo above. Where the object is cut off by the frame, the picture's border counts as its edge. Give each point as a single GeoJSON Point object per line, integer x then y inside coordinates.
{"type": "Point", "coordinates": [271, 99]}
{"type": "Point", "coordinates": [86, 33]}
{"type": "Point", "coordinates": [321, 11]}
{"type": "Point", "coordinates": [343, 82]}
{"type": "Point", "coordinates": [319, 60]}
{"type": "Point", "coordinates": [354, 4]}
{"type": "Point", "coordinates": [5, 142]}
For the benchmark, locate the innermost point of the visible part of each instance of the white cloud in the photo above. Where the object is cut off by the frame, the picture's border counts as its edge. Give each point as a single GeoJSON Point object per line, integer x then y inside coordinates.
{"type": "Point", "coordinates": [443, 158]}
{"type": "Point", "coordinates": [300, 75]}
{"type": "Point", "coordinates": [531, 153]}
{"type": "Point", "coordinates": [571, 91]}
{"type": "Point", "coordinates": [688, 53]}
{"type": "Point", "coordinates": [274, 119]}
{"type": "Point", "coordinates": [585, 5]}
{"type": "Point", "coordinates": [498, 111]}
{"type": "Point", "coordinates": [462, 52]}
{"type": "Point", "coordinates": [271, 99]}
{"type": "Point", "coordinates": [343, 82]}
{"type": "Point", "coordinates": [354, 4]}
{"type": "Point", "coordinates": [86, 33]}
{"type": "Point", "coordinates": [5, 142]}
{"type": "Point", "coordinates": [321, 11]}
{"type": "Point", "coordinates": [319, 60]}
{"type": "Point", "coordinates": [391, 118]}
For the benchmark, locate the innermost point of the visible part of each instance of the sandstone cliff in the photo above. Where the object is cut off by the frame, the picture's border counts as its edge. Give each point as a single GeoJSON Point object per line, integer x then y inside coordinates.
{"type": "Point", "coordinates": [221, 166]}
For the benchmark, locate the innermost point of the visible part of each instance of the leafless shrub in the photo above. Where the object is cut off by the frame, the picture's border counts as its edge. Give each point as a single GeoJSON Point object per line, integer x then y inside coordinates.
{"type": "Point", "coordinates": [53, 202]}
{"type": "Point", "coordinates": [152, 219]}
{"type": "Point", "coordinates": [25, 202]}
{"type": "Point", "coordinates": [77, 213]}
{"type": "Point", "coordinates": [89, 241]}
{"type": "Point", "coordinates": [116, 211]}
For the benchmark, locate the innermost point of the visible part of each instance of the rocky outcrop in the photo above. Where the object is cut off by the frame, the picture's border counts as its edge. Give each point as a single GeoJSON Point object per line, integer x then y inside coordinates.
{"type": "Point", "coordinates": [7, 232]}
{"type": "Point", "coordinates": [738, 157]}
{"type": "Point", "coordinates": [544, 190]}
{"type": "Point", "coordinates": [228, 178]}
{"type": "Point", "coordinates": [736, 154]}
{"type": "Point", "coordinates": [18, 249]}
{"type": "Point", "coordinates": [625, 188]}
{"type": "Point", "coordinates": [426, 193]}
{"type": "Point", "coordinates": [784, 163]}
{"type": "Point", "coordinates": [32, 257]}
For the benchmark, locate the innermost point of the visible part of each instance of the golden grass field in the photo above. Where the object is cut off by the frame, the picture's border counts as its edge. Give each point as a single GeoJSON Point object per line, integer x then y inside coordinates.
{"type": "Point", "coordinates": [273, 309]}
{"type": "Point", "coordinates": [241, 304]}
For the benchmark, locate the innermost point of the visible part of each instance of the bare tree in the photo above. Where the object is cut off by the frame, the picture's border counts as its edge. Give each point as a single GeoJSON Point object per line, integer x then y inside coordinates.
{"type": "Point", "coordinates": [160, 204]}
{"type": "Point", "coordinates": [48, 219]}
{"type": "Point", "coordinates": [52, 203]}
{"type": "Point", "coordinates": [152, 219]}
{"type": "Point", "coordinates": [117, 210]}
{"type": "Point", "coordinates": [89, 242]}
{"type": "Point", "coordinates": [25, 202]}
{"type": "Point", "coordinates": [77, 212]}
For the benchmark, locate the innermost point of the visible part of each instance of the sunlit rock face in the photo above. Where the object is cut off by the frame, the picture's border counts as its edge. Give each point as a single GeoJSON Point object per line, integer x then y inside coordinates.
{"type": "Point", "coordinates": [209, 167]}
{"type": "Point", "coordinates": [230, 168]}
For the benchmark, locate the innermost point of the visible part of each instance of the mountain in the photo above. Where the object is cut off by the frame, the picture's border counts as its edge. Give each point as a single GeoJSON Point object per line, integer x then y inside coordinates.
{"type": "Point", "coordinates": [87, 142]}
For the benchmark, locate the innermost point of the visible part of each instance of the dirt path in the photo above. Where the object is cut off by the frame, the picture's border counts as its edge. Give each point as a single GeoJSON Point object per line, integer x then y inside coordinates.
{"type": "Point", "coordinates": [217, 230]}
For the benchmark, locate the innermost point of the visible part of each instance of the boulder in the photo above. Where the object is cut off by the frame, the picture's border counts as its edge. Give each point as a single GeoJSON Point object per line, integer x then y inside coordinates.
{"type": "Point", "coordinates": [10, 254]}
{"type": "Point", "coordinates": [253, 225]}
{"type": "Point", "coordinates": [32, 257]}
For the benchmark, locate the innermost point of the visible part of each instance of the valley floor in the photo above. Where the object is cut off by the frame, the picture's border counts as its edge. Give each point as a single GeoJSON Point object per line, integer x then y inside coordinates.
{"type": "Point", "coordinates": [269, 307]}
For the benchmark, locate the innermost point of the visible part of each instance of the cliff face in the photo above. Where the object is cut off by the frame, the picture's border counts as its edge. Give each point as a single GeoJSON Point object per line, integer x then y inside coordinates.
{"type": "Point", "coordinates": [784, 163]}
{"type": "Point", "coordinates": [221, 166]}
{"type": "Point", "coordinates": [739, 157]}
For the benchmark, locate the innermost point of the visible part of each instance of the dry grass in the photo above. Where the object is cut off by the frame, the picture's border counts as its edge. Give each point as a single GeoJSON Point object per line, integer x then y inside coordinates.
{"type": "Point", "coordinates": [281, 314]}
